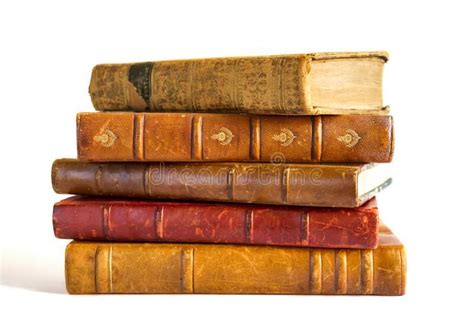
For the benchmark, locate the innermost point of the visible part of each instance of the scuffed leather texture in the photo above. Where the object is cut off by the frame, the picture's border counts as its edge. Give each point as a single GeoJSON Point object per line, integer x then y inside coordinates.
{"type": "Point", "coordinates": [95, 219]}
{"type": "Point", "coordinates": [328, 185]}
{"type": "Point", "coordinates": [126, 136]}
{"type": "Point", "coordinates": [265, 84]}
{"type": "Point", "coordinates": [99, 268]}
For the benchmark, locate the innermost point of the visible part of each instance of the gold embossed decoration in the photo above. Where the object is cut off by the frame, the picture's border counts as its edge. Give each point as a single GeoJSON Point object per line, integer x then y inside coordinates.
{"type": "Point", "coordinates": [350, 139]}
{"type": "Point", "coordinates": [106, 138]}
{"type": "Point", "coordinates": [224, 136]}
{"type": "Point", "coordinates": [285, 137]}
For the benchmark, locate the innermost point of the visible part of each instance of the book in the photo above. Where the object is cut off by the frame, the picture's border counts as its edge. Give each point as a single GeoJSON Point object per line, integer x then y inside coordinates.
{"type": "Point", "coordinates": [301, 84]}
{"type": "Point", "coordinates": [105, 267]}
{"type": "Point", "coordinates": [331, 185]}
{"type": "Point", "coordinates": [126, 136]}
{"type": "Point", "coordinates": [95, 219]}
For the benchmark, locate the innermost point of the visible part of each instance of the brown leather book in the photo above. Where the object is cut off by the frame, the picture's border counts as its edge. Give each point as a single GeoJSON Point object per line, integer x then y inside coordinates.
{"type": "Point", "coordinates": [331, 185]}
{"type": "Point", "coordinates": [95, 219]}
{"type": "Point", "coordinates": [101, 267]}
{"type": "Point", "coordinates": [126, 136]}
{"type": "Point", "coordinates": [301, 84]}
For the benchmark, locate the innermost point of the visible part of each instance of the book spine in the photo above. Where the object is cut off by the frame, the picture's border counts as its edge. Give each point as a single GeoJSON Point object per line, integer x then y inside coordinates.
{"type": "Point", "coordinates": [287, 184]}
{"type": "Point", "coordinates": [276, 85]}
{"type": "Point", "coordinates": [94, 267]}
{"type": "Point", "coordinates": [103, 220]}
{"type": "Point", "coordinates": [125, 136]}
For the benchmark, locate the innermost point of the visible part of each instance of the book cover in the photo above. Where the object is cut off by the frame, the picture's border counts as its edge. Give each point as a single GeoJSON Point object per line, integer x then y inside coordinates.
{"type": "Point", "coordinates": [95, 219]}
{"type": "Point", "coordinates": [120, 268]}
{"type": "Point", "coordinates": [127, 136]}
{"type": "Point", "coordinates": [300, 84]}
{"type": "Point", "coordinates": [329, 185]}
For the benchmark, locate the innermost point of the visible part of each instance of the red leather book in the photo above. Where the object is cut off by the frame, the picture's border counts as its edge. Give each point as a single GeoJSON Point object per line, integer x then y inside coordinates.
{"type": "Point", "coordinates": [99, 219]}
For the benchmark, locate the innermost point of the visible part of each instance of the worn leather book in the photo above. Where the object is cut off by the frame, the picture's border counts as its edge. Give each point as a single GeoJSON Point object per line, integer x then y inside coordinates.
{"type": "Point", "coordinates": [319, 83]}
{"type": "Point", "coordinates": [125, 136]}
{"type": "Point", "coordinates": [331, 185]}
{"type": "Point", "coordinates": [101, 267]}
{"type": "Point", "coordinates": [95, 219]}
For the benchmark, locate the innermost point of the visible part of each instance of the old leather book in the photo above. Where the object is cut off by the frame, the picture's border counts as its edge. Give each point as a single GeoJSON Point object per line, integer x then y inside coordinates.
{"type": "Point", "coordinates": [126, 136]}
{"type": "Point", "coordinates": [96, 219]}
{"type": "Point", "coordinates": [331, 185]}
{"type": "Point", "coordinates": [101, 267]}
{"type": "Point", "coordinates": [319, 83]}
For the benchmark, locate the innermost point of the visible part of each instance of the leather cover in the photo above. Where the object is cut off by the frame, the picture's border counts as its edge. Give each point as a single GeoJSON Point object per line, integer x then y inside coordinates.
{"type": "Point", "coordinates": [264, 84]}
{"type": "Point", "coordinates": [330, 185]}
{"type": "Point", "coordinates": [100, 267]}
{"type": "Point", "coordinates": [126, 136]}
{"type": "Point", "coordinates": [96, 219]}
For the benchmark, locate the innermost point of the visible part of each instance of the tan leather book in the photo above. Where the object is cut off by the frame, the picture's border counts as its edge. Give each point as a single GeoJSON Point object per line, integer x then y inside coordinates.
{"type": "Point", "coordinates": [330, 185]}
{"type": "Point", "coordinates": [301, 84]}
{"type": "Point", "coordinates": [101, 267]}
{"type": "Point", "coordinates": [127, 136]}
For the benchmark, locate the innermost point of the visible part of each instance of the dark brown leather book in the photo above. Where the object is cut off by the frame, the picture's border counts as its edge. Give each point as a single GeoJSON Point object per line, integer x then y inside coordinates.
{"type": "Point", "coordinates": [298, 84]}
{"type": "Point", "coordinates": [101, 268]}
{"type": "Point", "coordinates": [95, 219]}
{"type": "Point", "coordinates": [126, 136]}
{"type": "Point", "coordinates": [330, 185]}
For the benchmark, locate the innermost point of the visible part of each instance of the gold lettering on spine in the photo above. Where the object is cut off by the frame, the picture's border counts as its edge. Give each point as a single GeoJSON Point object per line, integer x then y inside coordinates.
{"type": "Point", "coordinates": [285, 137]}
{"type": "Point", "coordinates": [350, 139]}
{"type": "Point", "coordinates": [224, 136]}
{"type": "Point", "coordinates": [106, 138]}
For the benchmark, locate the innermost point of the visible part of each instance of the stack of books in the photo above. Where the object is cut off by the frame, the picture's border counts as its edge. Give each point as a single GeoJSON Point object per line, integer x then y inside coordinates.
{"type": "Point", "coordinates": [248, 175]}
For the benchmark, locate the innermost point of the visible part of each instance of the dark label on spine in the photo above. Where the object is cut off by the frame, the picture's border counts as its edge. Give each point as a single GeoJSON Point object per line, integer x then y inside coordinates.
{"type": "Point", "coordinates": [140, 76]}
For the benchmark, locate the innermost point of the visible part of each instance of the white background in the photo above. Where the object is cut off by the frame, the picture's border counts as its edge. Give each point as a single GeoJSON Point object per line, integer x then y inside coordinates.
{"type": "Point", "coordinates": [47, 50]}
